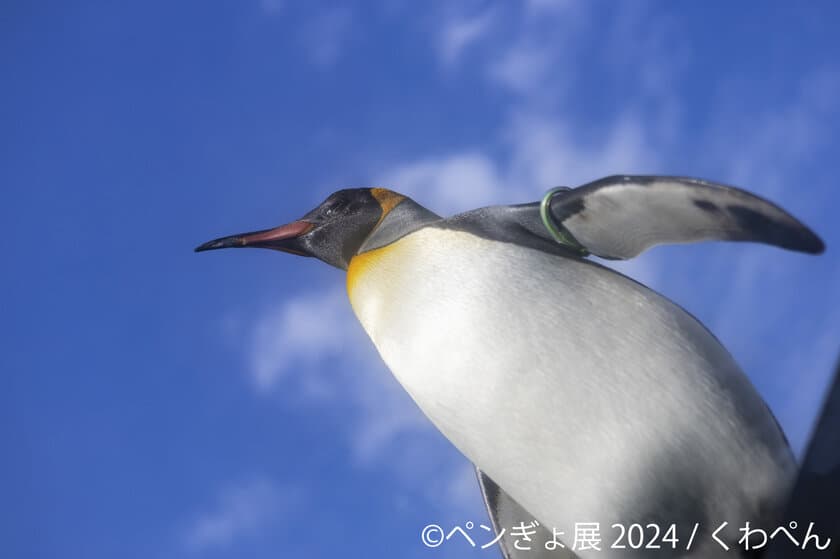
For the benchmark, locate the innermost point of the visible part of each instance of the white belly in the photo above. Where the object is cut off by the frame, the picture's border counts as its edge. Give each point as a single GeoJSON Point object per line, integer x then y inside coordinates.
{"type": "Point", "coordinates": [586, 396]}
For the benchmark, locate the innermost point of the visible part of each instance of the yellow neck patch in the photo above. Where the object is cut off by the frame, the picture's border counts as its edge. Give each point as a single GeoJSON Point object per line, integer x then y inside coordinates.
{"type": "Point", "coordinates": [361, 265]}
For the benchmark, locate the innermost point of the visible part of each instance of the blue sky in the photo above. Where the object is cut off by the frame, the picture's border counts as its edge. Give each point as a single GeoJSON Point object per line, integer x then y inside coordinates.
{"type": "Point", "coordinates": [158, 403]}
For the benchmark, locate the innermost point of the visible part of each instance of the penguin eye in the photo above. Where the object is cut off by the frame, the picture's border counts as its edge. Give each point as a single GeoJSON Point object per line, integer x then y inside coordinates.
{"type": "Point", "coordinates": [335, 208]}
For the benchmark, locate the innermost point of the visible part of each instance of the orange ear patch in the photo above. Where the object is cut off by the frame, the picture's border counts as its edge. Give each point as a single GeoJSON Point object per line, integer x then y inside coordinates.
{"type": "Point", "coordinates": [387, 199]}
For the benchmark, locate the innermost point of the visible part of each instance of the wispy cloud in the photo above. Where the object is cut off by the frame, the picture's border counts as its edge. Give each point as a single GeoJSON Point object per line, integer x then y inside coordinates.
{"type": "Point", "coordinates": [241, 511]}
{"type": "Point", "coordinates": [449, 184]}
{"type": "Point", "coordinates": [522, 68]}
{"type": "Point", "coordinates": [311, 349]}
{"type": "Point", "coordinates": [545, 149]}
{"type": "Point", "coordinates": [293, 335]}
{"type": "Point", "coordinates": [538, 61]}
{"type": "Point", "coordinates": [766, 148]}
{"type": "Point", "coordinates": [458, 33]}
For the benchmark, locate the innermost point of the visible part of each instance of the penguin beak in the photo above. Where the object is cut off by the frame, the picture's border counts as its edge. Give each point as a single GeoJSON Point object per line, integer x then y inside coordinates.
{"type": "Point", "coordinates": [286, 238]}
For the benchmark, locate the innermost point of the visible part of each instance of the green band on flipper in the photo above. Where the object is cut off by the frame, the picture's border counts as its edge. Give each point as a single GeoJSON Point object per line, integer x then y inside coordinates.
{"type": "Point", "coordinates": [558, 232]}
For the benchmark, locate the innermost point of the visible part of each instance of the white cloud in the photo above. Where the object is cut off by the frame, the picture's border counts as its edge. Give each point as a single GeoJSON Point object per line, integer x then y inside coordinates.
{"type": "Point", "coordinates": [241, 510]}
{"type": "Point", "coordinates": [639, 54]}
{"type": "Point", "coordinates": [293, 342]}
{"type": "Point", "coordinates": [540, 60]}
{"type": "Point", "coordinates": [448, 184]}
{"type": "Point", "coordinates": [459, 33]}
{"type": "Point", "coordinates": [312, 350]}
{"type": "Point", "coordinates": [523, 68]}
{"type": "Point", "coordinates": [765, 150]}
{"type": "Point", "coordinates": [545, 150]}
{"type": "Point", "coordinates": [299, 332]}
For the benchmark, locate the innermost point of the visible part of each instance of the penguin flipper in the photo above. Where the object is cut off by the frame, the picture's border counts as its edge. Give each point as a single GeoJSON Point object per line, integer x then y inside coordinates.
{"type": "Point", "coordinates": [505, 513]}
{"type": "Point", "coordinates": [620, 216]}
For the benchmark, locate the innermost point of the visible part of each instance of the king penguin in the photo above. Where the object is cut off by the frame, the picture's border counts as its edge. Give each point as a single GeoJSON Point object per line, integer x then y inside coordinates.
{"type": "Point", "coordinates": [580, 395]}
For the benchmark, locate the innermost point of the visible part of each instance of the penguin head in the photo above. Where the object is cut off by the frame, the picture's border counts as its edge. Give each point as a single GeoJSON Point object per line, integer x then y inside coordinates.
{"type": "Point", "coordinates": [333, 232]}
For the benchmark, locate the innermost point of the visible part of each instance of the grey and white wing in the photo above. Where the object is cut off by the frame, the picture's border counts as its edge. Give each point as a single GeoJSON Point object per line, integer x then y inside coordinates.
{"type": "Point", "coordinates": [505, 513]}
{"type": "Point", "coordinates": [619, 217]}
